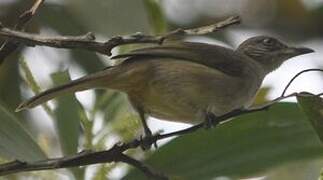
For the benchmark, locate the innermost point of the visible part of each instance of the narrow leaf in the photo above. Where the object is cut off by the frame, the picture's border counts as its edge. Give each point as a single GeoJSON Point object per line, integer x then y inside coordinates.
{"type": "Point", "coordinates": [15, 141]}
{"type": "Point", "coordinates": [155, 16]}
{"type": "Point", "coordinates": [67, 116]}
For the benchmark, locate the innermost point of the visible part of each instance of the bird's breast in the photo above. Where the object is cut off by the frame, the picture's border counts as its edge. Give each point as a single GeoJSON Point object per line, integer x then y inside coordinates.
{"type": "Point", "coordinates": [184, 91]}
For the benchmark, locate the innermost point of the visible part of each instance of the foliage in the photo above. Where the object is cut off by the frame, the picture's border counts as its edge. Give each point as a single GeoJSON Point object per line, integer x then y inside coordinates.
{"type": "Point", "coordinates": [15, 141]}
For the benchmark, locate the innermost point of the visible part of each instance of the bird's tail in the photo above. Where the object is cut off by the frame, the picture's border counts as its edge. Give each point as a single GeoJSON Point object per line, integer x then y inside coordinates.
{"type": "Point", "coordinates": [95, 80]}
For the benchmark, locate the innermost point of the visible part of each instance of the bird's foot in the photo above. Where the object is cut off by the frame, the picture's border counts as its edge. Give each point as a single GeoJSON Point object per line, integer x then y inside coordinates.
{"type": "Point", "coordinates": [210, 120]}
{"type": "Point", "coordinates": [147, 140]}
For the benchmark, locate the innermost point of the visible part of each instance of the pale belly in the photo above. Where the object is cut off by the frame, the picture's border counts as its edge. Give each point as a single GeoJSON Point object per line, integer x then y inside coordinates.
{"type": "Point", "coordinates": [174, 107]}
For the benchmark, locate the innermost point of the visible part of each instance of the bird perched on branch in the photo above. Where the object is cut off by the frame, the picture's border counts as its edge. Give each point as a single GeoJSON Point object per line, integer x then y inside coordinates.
{"type": "Point", "coordinates": [184, 81]}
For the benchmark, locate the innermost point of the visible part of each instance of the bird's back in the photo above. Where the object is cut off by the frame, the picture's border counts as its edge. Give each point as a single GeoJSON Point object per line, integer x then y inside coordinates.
{"type": "Point", "coordinates": [221, 58]}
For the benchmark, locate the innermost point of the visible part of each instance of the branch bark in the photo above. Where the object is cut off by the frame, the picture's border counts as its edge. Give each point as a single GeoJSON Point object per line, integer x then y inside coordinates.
{"type": "Point", "coordinates": [8, 46]}
{"type": "Point", "coordinates": [88, 42]}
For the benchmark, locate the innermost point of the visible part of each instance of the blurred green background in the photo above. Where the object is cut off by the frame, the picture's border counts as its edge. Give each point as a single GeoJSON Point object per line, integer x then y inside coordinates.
{"type": "Point", "coordinates": [278, 144]}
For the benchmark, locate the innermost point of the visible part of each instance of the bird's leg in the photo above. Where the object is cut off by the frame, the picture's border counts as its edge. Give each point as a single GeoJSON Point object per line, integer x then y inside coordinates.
{"type": "Point", "coordinates": [148, 134]}
{"type": "Point", "coordinates": [146, 139]}
{"type": "Point", "coordinates": [144, 124]}
{"type": "Point", "coordinates": [210, 120]}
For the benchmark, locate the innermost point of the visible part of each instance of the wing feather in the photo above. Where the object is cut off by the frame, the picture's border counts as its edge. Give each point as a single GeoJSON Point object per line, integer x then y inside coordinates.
{"type": "Point", "coordinates": [223, 59]}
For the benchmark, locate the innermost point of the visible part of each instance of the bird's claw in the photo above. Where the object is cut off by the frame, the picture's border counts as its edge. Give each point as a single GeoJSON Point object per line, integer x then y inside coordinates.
{"type": "Point", "coordinates": [210, 120]}
{"type": "Point", "coordinates": [146, 141]}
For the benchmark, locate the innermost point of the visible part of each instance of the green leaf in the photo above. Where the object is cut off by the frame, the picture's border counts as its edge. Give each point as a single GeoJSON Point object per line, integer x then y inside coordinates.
{"type": "Point", "coordinates": [155, 16]}
{"type": "Point", "coordinates": [15, 141]}
{"type": "Point", "coordinates": [313, 108]}
{"type": "Point", "coordinates": [245, 146]}
{"type": "Point", "coordinates": [68, 115]}
{"type": "Point", "coordinates": [31, 81]}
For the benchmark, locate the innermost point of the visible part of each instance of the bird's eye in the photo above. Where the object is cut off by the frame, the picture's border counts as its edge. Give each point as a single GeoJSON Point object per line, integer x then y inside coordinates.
{"type": "Point", "coordinates": [268, 42]}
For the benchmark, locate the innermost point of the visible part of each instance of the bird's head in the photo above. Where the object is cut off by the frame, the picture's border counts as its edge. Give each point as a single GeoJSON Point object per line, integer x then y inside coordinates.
{"type": "Point", "coordinates": [270, 52]}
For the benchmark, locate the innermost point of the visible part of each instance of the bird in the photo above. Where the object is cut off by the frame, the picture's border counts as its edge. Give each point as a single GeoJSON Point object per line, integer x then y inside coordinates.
{"type": "Point", "coordinates": [186, 82]}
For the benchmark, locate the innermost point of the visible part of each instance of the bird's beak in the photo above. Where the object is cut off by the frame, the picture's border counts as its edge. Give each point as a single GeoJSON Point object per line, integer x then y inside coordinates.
{"type": "Point", "coordinates": [296, 51]}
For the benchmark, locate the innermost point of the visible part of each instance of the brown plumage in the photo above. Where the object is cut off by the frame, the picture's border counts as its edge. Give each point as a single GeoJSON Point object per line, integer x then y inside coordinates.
{"type": "Point", "coordinates": [186, 81]}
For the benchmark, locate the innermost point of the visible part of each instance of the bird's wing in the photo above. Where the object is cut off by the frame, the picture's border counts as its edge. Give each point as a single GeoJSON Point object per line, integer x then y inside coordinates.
{"type": "Point", "coordinates": [217, 57]}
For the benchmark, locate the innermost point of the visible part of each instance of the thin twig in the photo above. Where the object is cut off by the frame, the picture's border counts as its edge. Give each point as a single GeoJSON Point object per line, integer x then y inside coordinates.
{"type": "Point", "coordinates": [88, 42]}
{"type": "Point", "coordinates": [26, 16]}
{"type": "Point", "coordinates": [298, 74]}
{"type": "Point", "coordinates": [115, 154]}
{"type": "Point", "coordinates": [139, 165]}
{"type": "Point", "coordinates": [206, 29]}
{"type": "Point", "coordinates": [8, 46]}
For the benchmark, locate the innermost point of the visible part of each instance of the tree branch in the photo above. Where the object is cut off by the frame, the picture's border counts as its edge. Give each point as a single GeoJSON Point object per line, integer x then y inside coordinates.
{"type": "Point", "coordinates": [8, 46]}
{"type": "Point", "coordinates": [116, 153]}
{"type": "Point", "coordinates": [88, 42]}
